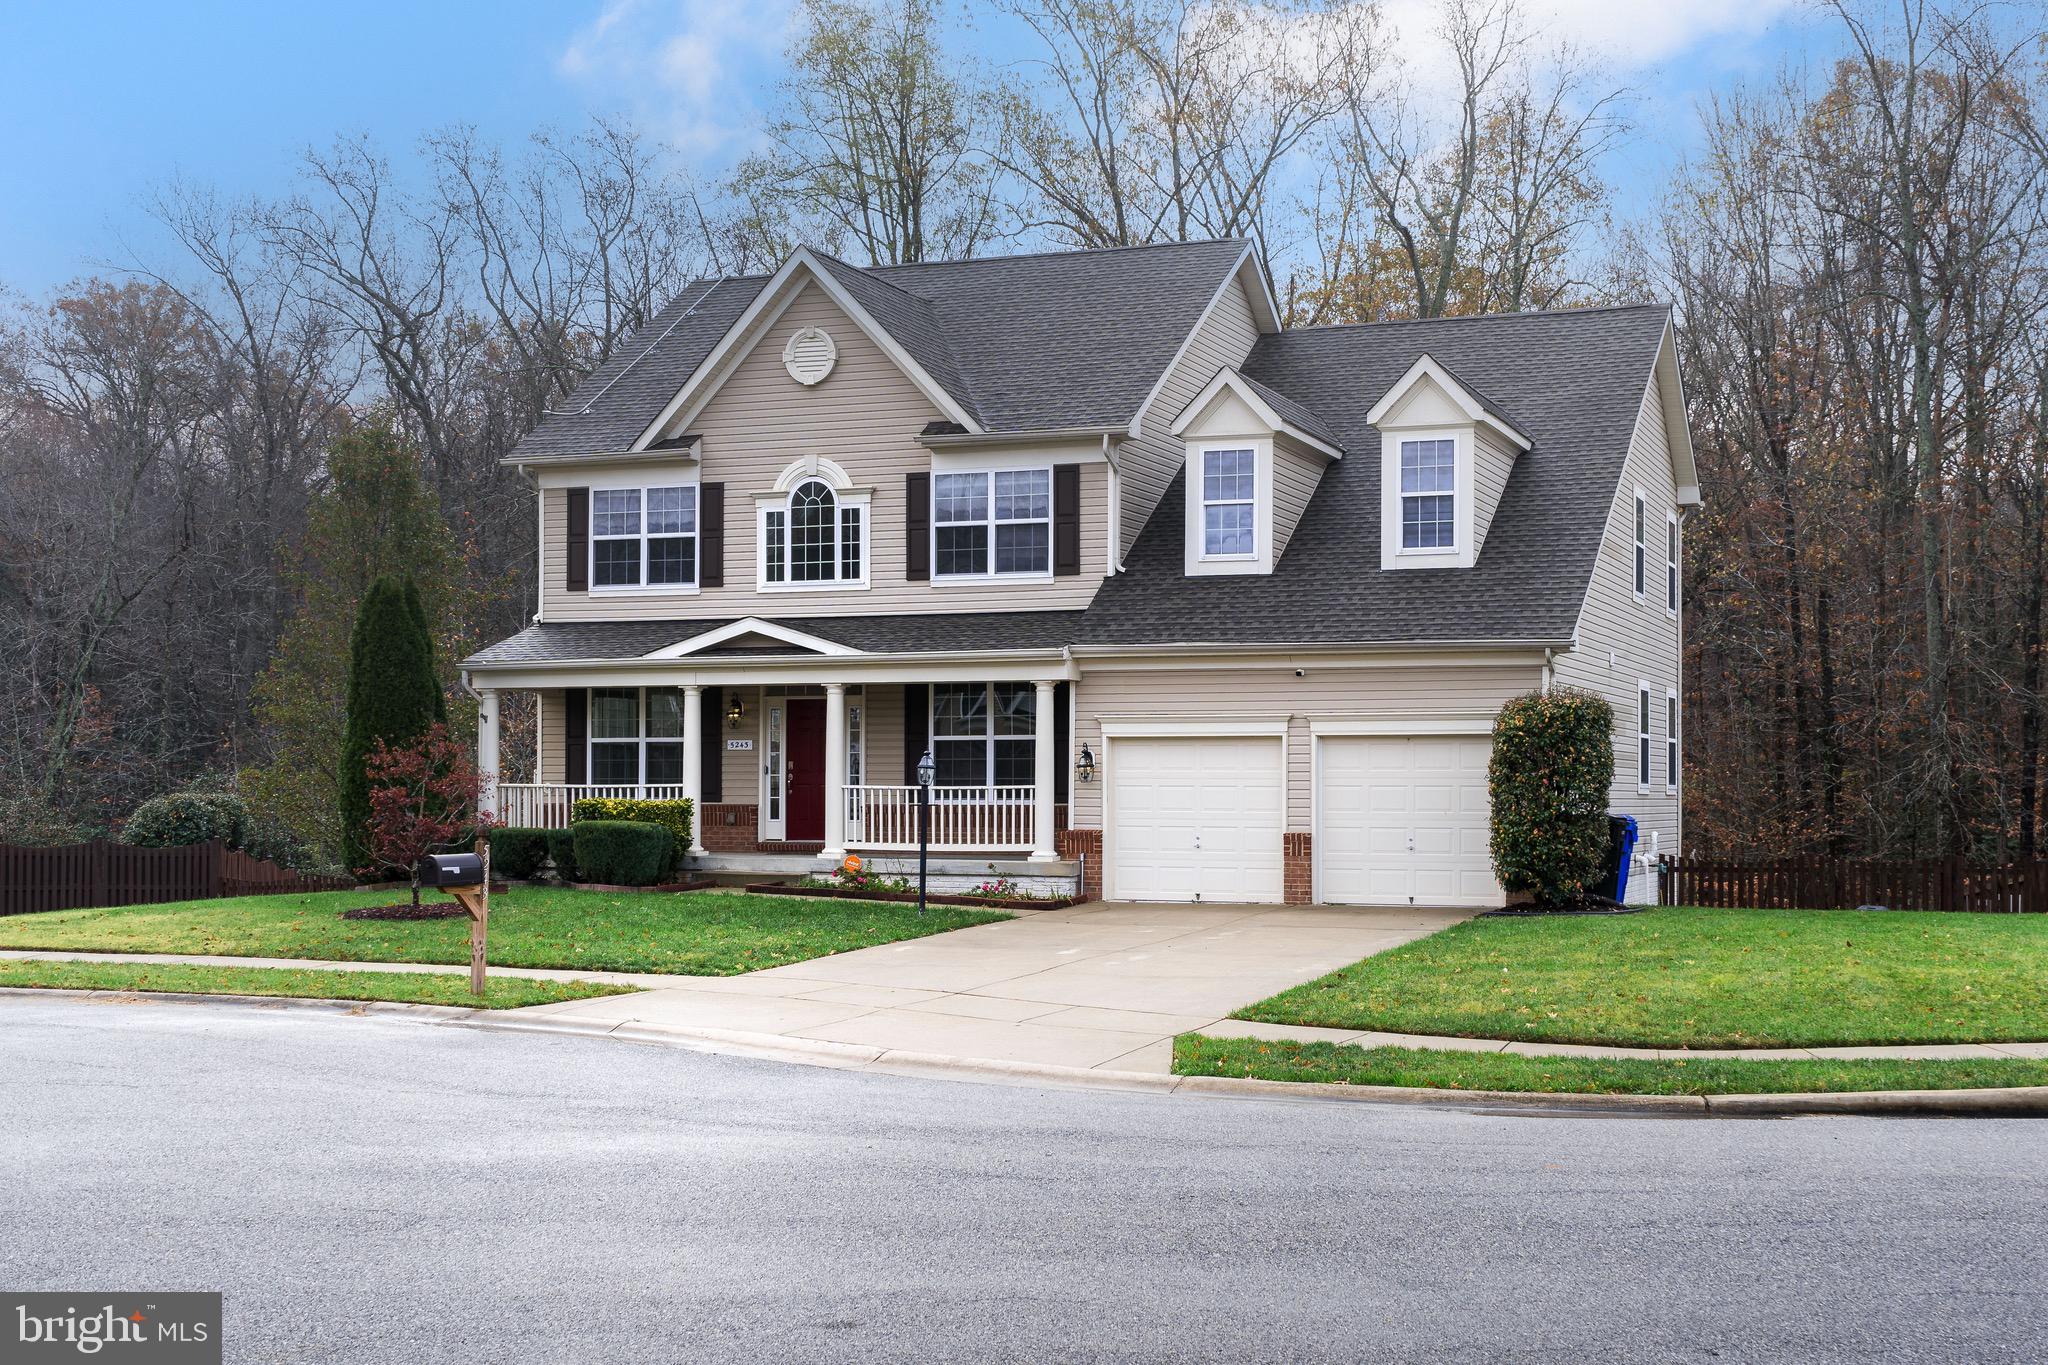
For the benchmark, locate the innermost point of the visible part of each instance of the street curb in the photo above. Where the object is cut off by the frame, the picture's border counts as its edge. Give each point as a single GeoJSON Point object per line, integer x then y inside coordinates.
{"type": "Point", "coordinates": [2010, 1102]}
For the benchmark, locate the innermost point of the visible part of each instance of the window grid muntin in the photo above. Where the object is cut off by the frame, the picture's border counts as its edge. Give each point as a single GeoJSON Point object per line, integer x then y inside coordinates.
{"type": "Point", "coordinates": [635, 736]}
{"type": "Point", "coordinates": [1643, 736]}
{"type": "Point", "coordinates": [984, 734]}
{"type": "Point", "coordinates": [1671, 739]}
{"type": "Point", "coordinates": [643, 537]}
{"type": "Point", "coordinates": [1230, 482]}
{"type": "Point", "coordinates": [1671, 565]}
{"type": "Point", "coordinates": [992, 523]}
{"type": "Point", "coordinates": [1642, 557]}
{"type": "Point", "coordinates": [1429, 498]}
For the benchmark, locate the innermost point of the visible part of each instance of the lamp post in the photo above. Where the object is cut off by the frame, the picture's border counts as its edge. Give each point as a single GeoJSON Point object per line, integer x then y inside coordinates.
{"type": "Point", "coordinates": [926, 770]}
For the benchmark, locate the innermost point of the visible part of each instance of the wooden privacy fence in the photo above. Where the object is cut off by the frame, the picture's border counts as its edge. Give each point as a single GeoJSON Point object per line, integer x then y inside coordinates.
{"type": "Point", "coordinates": [1841, 884]}
{"type": "Point", "coordinates": [79, 876]}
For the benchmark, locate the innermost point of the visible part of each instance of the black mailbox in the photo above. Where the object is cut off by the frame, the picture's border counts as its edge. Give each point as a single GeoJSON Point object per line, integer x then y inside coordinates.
{"type": "Point", "coordinates": [451, 869]}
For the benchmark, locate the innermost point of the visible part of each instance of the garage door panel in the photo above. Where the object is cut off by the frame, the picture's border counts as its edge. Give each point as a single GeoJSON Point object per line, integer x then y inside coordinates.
{"type": "Point", "coordinates": [1404, 820]}
{"type": "Point", "coordinates": [1196, 818]}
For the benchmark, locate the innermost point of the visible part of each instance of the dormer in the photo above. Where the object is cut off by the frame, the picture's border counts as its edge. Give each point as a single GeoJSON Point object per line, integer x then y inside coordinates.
{"type": "Point", "coordinates": [1254, 458]}
{"type": "Point", "coordinates": [1445, 457]}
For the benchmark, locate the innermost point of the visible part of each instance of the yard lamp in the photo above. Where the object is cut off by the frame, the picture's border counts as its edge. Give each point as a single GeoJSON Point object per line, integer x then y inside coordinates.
{"type": "Point", "coordinates": [926, 771]}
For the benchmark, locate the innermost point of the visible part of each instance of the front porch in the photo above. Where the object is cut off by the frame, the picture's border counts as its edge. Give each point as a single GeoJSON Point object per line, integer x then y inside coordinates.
{"type": "Point", "coordinates": [812, 770]}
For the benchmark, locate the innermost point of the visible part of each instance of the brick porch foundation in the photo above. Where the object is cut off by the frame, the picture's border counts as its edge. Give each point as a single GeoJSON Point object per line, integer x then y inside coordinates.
{"type": "Point", "coordinates": [1084, 843]}
{"type": "Point", "coordinates": [729, 828]}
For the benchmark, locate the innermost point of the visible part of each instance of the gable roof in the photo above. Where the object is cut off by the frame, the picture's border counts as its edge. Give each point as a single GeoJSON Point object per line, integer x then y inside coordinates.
{"type": "Point", "coordinates": [1475, 405]}
{"type": "Point", "coordinates": [1272, 407]}
{"type": "Point", "coordinates": [896, 633]}
{"type": "Point", "coordinates": [1073, 339]}
{"type": "Point", "coordinates": [1573, 381]}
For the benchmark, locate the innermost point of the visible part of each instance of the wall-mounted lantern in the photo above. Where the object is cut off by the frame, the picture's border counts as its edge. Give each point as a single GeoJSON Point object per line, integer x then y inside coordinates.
{"type": "Point", "coordinates": [734, 713]}
{"type": "Point", "coordinates": [1084, 767]}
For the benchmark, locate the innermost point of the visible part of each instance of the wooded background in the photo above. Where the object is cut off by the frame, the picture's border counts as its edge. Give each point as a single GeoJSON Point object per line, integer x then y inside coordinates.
{"type": "Point", "coordinates": [206, 459]}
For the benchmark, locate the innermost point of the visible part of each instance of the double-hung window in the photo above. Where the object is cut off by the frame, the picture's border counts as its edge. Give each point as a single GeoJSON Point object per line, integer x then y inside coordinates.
{"type": "Point", "coordinates": [1671, 563]}
{"type": "Point", "coordinates": [1643, 737]}
{"type": "Point", "coordinates": [1429, 496]}
{"type": "Point", "coordinates": [814, 537]}
{"type": "Point", "coordinates": [1230, 504]}
{"type": "Point", "coordinates": [1642, 554]}
{"type": "Point", "coordinates": [984, 734]}
{"type": "Point", "coordinates": [992, 523]}
{"type": "Point", "coordinates": [1671, 739]}
{"type": "Point", "coordinates": [643, 537]}
{"type": "Point", "coordinates": [636, 735]}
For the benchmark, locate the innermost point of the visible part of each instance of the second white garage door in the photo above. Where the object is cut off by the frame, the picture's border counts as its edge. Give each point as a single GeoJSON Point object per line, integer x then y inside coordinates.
{"type": "Point", "coordinates": [1195, 818]}
{"type": "Point", "coordinates": [1404, 821]}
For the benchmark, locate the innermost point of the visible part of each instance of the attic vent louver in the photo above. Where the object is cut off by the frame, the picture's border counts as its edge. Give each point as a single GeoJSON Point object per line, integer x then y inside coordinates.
{"type": "Point", "coordinates": [809, 355]}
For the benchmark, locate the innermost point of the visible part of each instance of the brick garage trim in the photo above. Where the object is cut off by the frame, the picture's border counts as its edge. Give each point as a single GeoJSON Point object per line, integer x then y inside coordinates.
{"type": "Point", "coordinates": [1298, 868]}
{"type": "Point", "coordinates": [1084, 843]}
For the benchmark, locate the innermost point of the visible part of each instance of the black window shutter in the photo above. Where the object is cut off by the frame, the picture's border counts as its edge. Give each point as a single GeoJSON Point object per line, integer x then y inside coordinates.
{"type": "Point", "coordinates": [1066, 519]}
{"type": "Point", "coordinates": [576, 736]}
{"type": "Point", "coordinates": [579, 541]}
{"type": "Point", "coordinates": [713, 702]}
{"type": "Point", "coordinates": [711, 539]}
{"type": "Point", "coordinates": [1062, 727]}
{"type": "Point", "coordinates": [917, 528]}
{"type": "Point", "coordinates": [917, 725]}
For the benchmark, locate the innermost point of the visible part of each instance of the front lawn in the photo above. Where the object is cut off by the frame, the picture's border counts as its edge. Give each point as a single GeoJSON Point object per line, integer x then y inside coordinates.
{"type": "Point", "coordinates": [1687, 977]}
{"type": "Point", "coordinates": [427, 988]}
{"type": "Point", "coordinates": [703, 933]}
{"type": "Point", "coordinates": [1196, 1055]}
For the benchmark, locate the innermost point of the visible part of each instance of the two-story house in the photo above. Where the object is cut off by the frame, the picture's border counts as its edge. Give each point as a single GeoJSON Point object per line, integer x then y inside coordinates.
{"type": "Point", "coordinates": [1211, 608]}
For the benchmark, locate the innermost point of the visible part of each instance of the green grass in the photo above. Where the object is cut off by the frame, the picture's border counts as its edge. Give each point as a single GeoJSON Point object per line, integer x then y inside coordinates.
{"type": "Point", "coordinates": [704, 933]}
{"type": "Point", "coordinates": [1686, 977]}
{"type": "Point", "coordinates": [1196, 1055]}
{"type": "Point", "coordinates": [500, 992]}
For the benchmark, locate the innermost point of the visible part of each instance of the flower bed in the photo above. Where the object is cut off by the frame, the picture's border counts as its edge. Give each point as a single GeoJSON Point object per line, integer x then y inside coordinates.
{"type": "Point", "coordinates": [910, 897]}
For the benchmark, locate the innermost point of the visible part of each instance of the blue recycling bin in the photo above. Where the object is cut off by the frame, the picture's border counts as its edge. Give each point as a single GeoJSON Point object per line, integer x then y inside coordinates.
{"type": "Point", "coordinates": [1621, 847]}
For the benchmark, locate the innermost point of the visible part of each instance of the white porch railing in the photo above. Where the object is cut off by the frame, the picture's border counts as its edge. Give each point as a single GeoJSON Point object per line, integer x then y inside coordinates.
{"type": "Point", "coordinates": [547, 805]}
{"type": "Point", "coordinates": [964, 819]}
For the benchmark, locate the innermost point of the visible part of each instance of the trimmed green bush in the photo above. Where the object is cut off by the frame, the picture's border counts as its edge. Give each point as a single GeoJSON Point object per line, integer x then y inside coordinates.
{"type": "Point", "coordinates": [518, 850]}
{"type": "Point", "coordinates": [673, 816]}
{"type": "Point", "coordinates": [562, 848]}
{"type": "Point", "coordinates": [394, 695]}
{"type": "Point", "coordinates": [183, 818]}
{"type": "Point", "coordinates": [622, 852]}
{"type": "Point", "coordinates": [1552, 766]}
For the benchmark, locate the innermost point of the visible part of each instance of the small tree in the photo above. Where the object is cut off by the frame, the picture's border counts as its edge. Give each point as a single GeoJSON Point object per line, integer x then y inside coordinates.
{"type": "Point", "coordinates": [423, 797]}
{"type": "Point", "coordinates": [393, 696]}
{"type": "Point", "coordinates": [1552, 766]}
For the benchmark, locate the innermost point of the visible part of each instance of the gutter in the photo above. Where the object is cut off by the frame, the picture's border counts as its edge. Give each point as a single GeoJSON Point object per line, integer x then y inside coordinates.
{"type": "Point", "coordinates": [954, 440]}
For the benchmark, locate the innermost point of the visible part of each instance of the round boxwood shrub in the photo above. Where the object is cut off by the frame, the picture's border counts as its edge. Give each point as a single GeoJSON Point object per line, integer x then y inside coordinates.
{"type": "Point", "coordinates": [183, 818]}
{"type": "Point", "coordinates": [674, 816]}
{"type": "Point", "coordinates": [562, 848]}
{"type": "Point", "coordinates": [518, 850]}
{"type": "Point", "coordinates": [622, 852]}
{"type": "Point", "coordinates": [1552, 766]}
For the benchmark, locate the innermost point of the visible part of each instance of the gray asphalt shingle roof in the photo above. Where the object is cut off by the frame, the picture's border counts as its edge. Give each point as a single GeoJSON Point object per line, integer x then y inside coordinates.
{"type": "Point", "coordinates": [1573, 381]}
{"type": "Point", "coordinates": [1296, 414]}
{"type": "Point", "coordinates": [1024, 343]}
{"type": "Point", "coordinates": [900, 633]}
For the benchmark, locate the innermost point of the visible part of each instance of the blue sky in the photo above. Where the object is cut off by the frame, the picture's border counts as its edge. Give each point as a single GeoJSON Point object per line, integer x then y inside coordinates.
{"type": "Point", "coordinates": [104, 99]}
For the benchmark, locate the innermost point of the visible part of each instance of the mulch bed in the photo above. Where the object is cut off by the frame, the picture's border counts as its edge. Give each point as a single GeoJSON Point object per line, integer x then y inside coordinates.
{"type": "Point", "coordinates": [910, 897]}
{"type": "Point", "coordinates": [1584, 905]}
{"type": "Point", "coordinates": [407, 910]}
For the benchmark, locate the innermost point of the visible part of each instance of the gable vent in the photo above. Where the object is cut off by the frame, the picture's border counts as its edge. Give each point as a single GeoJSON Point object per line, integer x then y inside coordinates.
{"type": "Point", "coordinates": [809, 355]}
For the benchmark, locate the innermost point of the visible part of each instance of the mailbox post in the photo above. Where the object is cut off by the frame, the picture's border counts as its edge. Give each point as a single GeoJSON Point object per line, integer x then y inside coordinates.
{"type": "Point", "coordinates": [467, 877]}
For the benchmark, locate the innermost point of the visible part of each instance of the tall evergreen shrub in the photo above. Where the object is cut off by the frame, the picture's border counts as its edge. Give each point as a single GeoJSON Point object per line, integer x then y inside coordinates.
{"type": "Point", "coordinates": [1552, 767]}
{"type": "Point", "coordinates": [393, 695]}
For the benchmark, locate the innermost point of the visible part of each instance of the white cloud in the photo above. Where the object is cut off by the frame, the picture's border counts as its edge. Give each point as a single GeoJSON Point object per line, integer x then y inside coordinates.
{"type": "Point", "coordinates": [691, 70]}
{"type": "Point", "coordinates": [1627, 34]}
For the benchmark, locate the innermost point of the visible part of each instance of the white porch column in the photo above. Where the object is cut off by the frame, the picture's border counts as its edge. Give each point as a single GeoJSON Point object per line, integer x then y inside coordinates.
{"type": "Point", "coordinates": [487, 751]}
{"type": "Point", "coordinates": [835, 773]}
{"type": "Point", "coordinates": [1045, 756]}
{"type": "Point", "coordinates": [693, 764]}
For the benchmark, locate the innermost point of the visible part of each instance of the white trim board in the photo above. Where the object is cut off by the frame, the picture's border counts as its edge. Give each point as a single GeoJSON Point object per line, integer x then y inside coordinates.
{"type": "Point", "coordinates": [751, 625]}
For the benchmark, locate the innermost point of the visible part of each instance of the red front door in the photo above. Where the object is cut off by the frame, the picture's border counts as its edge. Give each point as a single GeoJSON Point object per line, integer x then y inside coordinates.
{"type": "Point", "coordinates": [806, 772]}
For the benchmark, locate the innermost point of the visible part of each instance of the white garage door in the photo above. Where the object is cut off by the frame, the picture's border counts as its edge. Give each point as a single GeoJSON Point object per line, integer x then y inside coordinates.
{"type": "Point", "coordinates": [1195, 819]}
{"type": "Point", "coordinates": [1404, 821]}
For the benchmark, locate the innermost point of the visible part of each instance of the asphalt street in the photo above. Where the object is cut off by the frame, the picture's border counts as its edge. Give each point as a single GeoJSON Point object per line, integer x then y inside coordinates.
{"type": "Point", "coordinates": [381, 1190]}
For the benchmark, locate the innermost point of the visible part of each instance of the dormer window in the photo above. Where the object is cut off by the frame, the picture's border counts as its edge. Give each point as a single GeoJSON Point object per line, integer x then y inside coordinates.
{"type": "Point", "coordinates": [1230, 504]}
{"type": "Point", "coordinates": [1429, 495]}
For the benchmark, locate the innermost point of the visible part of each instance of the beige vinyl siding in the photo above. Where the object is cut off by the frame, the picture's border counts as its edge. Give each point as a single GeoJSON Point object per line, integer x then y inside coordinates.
{"type": "Point", "coordinates": [551, 766]}
{"type": "Point", "coordinates": [1295, 476]}
{"type": "Point", "coordinates": [1329, 693]}
{"type": "Point", "coordinates": [881, 710]}
{"type": "Point", "coordinates": [865, 417]}
{"type": "Point", "coordinates": [1148, 463]}
{"type": "Point", "coordinates": [1492, 463]}
{"type": "Point", "coordinates": [1642, 635]}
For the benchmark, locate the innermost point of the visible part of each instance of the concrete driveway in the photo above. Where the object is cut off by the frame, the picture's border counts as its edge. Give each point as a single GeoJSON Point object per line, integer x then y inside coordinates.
{"type": "Point", "coordinates": [1097, 985]}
